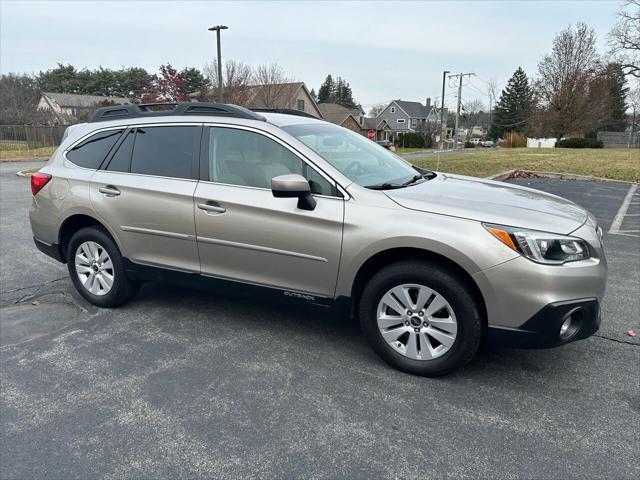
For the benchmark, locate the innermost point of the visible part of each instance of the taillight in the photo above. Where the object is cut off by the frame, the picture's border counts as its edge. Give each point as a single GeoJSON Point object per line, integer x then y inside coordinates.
{"type": "Point", "coordinates": [39, 180]}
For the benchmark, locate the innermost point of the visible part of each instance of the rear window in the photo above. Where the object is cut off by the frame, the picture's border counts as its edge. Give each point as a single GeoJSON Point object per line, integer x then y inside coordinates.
{"type": "Point", "coordinates": [164, 151]}
{"type": "Point", "coordinates": [91, 152]}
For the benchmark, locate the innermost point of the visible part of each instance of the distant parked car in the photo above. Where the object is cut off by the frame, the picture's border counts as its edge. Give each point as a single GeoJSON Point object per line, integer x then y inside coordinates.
{"type": "Point", "coordinates": [476, 141]}
{"type": "Point", "coordinates": [386, 144]}
{"type": "Point", "coordinates": [488, 144]}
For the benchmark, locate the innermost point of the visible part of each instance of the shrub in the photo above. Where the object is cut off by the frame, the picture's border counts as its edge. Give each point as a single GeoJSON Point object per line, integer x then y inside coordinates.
{"type": "Point", "coordinates": [513, 140]}
{"type": "Point", "coordinates": [411, 140]}
{"type": "Point", "coordinates": [468, 144]}
{"type": "Point", "coordinates": [580, 143]}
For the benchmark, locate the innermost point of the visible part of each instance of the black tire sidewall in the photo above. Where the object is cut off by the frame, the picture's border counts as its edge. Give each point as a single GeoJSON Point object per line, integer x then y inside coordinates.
{"type": "Point", "coordinates": [122, 288]}
{"type": "Point", "coordinates": [447, 284]}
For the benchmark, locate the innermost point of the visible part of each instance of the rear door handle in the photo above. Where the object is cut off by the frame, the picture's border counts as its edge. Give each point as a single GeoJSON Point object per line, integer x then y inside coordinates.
{"type": "Point", "coordinates": [109, 191]}
{"type": "Point", "coordinates": [207, 207]}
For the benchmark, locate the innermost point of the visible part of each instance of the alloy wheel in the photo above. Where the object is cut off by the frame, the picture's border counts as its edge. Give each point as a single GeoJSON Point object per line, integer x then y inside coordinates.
{"type": "Point", "coordinates": [417, 322]}
{"type": "Point", "coordinates": [94, 268]}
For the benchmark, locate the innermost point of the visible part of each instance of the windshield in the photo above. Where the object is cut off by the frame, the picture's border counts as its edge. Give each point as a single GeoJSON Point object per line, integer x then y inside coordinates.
{"type": "Point", "coordinates": [355, 156]}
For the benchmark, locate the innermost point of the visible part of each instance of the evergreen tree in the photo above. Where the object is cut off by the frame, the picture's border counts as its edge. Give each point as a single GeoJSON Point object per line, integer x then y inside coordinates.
{"type": "Point", "coordinates": [326, 90]}
{"type": "Point", "coordinates": [196, 81]}
{"type": "Point", "coordinates": [62, 79]}
{"type": "Point", "coordinates": [618, 94]}
{"type": "Point", "coordinates": [514, 107]}
{"type": "Point", "coordinates": [103, 81]}
{"type": "Point", "coordinates": [344, 95]}
{"type": "Point", "coordinates": [313, 95]}
{"type": "Point", "coordinates": [336, 91]}
{"type": "Point", "coordinates": [129, 81]}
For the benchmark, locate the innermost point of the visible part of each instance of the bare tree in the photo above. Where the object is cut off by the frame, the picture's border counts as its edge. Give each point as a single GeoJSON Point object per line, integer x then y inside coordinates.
{"type": "Point", "coordinates": [428, 130]}
{"type": "Point", "coordinates": [492, 93]}
{"type": "Point", "coordinates": [237, 77]}
{"type": "Point", "coordinates": [624, 38]}
{"type": "Point", "coordinates": [275, 87]}
{"type": "Point", "coordinates": [633, 100]}
{"type": "Point", "coordinates": [564, 79]}
{"type": "Point", "coordinates": [18, 99]}
{"type": "Point", "coordinates": [377, 109]}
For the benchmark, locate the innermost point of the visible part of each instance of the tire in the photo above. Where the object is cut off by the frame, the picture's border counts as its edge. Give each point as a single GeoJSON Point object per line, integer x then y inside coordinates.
{"type": "Point", "coordinates": [96, 243]}
{"type": "Point", "coordinates": [422, 280]}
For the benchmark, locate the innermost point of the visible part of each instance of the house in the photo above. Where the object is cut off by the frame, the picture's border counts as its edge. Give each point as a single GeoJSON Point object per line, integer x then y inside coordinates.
{"type": "Point", "coordinates": [405, 117]}
{"type": "Point", "coordinates": [476, 131]}
{"type": "Point", "coordinates": [380, 127]}
{"type": "Point", "coordinates": [350, 118]}
{"type": "Point", "coordinates": [68, 106]}
{"type": "Point", "coordinates": [293, 95]}
{"type": "Point", "coordinates": [354, 119]}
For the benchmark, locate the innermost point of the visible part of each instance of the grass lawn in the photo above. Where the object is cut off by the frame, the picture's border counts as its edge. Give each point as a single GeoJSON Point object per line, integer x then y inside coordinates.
{"type": "Point", "coordinates": [614, 163]}
{"type": "Point", "coordinates": [16, 151]}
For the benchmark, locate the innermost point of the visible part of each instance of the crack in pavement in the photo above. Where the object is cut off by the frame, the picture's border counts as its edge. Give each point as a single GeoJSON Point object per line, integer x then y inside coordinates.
{"type": "Point", "coordinates": [635, 344]}
{"type": "Point", "coordinates": [37, 285]}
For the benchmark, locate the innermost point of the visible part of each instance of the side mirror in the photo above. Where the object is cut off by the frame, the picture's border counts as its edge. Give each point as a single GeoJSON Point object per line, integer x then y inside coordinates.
{"type": "Point", "coordinates": [294, 185]}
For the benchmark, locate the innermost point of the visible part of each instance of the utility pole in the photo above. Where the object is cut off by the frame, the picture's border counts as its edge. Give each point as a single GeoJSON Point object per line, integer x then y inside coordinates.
{"type": "Point", "coordinates": [443, 128]}
{"type": "Point", "coordinates": [455, 133]}
{"type": "Point", "coordinates": [217, 29]}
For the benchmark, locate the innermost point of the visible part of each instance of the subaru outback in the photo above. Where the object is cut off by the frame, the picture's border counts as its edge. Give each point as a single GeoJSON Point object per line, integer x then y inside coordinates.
{"type": "Point", "coordinates": [282, 203]}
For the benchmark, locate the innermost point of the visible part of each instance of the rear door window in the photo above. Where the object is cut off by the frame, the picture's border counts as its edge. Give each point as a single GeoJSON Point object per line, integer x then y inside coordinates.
{"type": "Point", "coordinates": [165, 151]}
{"type": "Point", "coordinates": [91, 152]}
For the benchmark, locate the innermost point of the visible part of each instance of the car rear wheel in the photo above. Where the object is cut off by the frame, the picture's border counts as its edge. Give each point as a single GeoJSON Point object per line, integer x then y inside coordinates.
{"type": "Point", "coordinates": [96, 268]}
{"type": "Point", "coordinates": [420, 318]}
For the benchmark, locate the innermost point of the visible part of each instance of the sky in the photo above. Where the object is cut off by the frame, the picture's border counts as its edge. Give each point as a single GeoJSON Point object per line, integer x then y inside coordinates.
{"type": "Point", "coordinates": [385, 50]}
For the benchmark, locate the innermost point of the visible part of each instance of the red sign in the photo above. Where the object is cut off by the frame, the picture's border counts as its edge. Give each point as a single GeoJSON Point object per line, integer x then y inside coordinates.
{"type": "Point", "coordinates": [371, 134]}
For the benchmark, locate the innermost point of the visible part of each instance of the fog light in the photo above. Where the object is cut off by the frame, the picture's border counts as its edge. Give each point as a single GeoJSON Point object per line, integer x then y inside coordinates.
{"type": "Point", "coordinates": [565, 327]}
{"type": "Point", "coordinates": [571, 323]}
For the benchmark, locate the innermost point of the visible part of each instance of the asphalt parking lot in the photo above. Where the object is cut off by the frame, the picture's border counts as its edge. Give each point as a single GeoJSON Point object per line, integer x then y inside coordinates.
{"type": "Point", "coordinates": [184, 383]}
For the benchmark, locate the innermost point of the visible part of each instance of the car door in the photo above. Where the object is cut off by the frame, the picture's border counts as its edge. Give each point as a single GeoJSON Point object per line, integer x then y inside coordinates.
{"type": "Point", "coordinates": [144, 191]}
{"type": "Point", "coordinates": [244, 233]}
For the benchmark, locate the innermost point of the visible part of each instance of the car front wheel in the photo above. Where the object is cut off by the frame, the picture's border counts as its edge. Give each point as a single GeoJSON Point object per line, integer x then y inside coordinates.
{"type": "Point", "coordinates": [420, 318]}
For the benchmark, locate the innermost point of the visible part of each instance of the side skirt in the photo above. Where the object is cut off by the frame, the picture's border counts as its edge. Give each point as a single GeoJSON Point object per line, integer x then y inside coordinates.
{"type": "Point", "coordinates": [148, 273]}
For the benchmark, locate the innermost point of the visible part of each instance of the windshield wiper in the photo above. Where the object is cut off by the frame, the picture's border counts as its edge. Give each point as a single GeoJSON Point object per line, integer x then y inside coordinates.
{"type": "Point", "coordinates": [384, 186]}
{"type": "Point", "coordinates": [428, 174]}
{"type": "Point", "coordinates": [413, 179]}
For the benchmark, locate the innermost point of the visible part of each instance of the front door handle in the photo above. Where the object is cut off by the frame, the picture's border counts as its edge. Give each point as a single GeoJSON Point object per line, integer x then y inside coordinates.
{"type": "Point", "coordinates": [207, 207]}
{"type": "Point", "coordinates": [109, 191]}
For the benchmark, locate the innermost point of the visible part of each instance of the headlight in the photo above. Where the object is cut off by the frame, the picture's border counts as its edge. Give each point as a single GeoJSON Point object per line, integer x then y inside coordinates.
{"type": "Point", "coordinates": [541, 247]}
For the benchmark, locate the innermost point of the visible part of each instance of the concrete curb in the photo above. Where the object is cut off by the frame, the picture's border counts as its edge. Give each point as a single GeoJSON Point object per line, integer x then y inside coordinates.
{"type": "Point", "coordinates": [560, 176]}
{"type": "Point", "coordinates": [24, 173]}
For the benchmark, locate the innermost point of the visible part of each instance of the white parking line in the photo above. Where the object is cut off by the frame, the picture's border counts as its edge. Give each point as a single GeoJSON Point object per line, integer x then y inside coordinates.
{"type": "Point", "coordinates": [617, 222]}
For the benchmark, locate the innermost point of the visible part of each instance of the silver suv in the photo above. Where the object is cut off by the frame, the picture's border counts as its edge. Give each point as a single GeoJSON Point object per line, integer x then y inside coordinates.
{"type": "Point", "coordinates": [285, 204]}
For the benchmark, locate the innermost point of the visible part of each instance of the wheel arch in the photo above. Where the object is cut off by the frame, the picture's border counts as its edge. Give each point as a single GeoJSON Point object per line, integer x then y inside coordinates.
{"type": "Point", "coordinates": [392, 255]}
{"type": "Point", "coordinates": [75, 222]}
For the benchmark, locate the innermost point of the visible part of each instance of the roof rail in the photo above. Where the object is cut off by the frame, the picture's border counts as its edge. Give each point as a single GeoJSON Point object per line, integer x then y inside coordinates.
{"type": "Point", "coordinates": [117, 112]}
{"type": "Point", "coordinates": [287, 111]}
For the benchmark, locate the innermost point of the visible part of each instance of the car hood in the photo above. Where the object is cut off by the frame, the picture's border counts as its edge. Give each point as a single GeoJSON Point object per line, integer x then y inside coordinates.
{"type": "Point", "coordinates": [492, 202]}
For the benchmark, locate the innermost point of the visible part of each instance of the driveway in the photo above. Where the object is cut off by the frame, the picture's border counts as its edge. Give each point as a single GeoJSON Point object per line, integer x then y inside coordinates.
{"type": "Point", "coordinates": [183, 383]}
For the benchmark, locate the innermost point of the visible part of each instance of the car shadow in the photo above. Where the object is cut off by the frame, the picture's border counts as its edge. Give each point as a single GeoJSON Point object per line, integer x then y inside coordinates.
{"type": "Point", "coordinates": [332, 327]}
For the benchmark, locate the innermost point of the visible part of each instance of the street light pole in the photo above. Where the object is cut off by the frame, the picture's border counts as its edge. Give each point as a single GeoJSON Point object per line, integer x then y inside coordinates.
{"type": "Point", "coordinates": [442, 126]}
{"type": "Point", "coordinates": [217, 29]}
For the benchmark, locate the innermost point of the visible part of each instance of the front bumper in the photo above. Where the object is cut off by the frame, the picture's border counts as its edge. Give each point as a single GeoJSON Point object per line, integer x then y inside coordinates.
{"type": "Point", "coordinates": [544, 328]}
{"type": "Point", "coordinates": [517, 290]}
